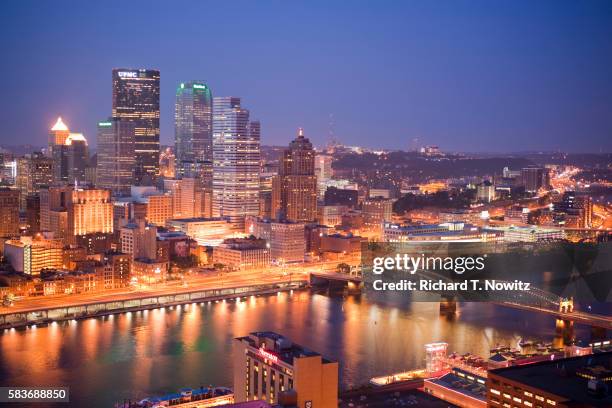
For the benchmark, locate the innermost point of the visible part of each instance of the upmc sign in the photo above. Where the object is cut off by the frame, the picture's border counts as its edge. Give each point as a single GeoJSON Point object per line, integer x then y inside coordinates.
{"type": "Point", "coordinates": [128, 74]}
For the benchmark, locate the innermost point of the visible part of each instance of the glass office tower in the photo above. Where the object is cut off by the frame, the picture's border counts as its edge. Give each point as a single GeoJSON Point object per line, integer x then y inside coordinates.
{"type": "Point", "coordinates": [136, 98]}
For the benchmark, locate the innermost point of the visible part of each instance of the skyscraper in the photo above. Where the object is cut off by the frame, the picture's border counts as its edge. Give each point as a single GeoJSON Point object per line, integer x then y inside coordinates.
{"type": "Point", "coordinates": [77, 153]}
{"type": "Point", "coordinates": [89, 212]}
{"type": "Point", "coordinates": [9, 212]}
{"type": "Point", "coordinates": [236, 156]}
{"type": "Point", "coordinates": [193, 122]}
{"type": "Point", "coordinates": [136, 98]}
{"type": "Point", "coordinates": [116, 155]}
{"type": "Point", "coordinates": [33, 172]}
{"type": "Point", "coordinates": [57, 136]}
{"type": "Point", "coordinates": [69, 152]}
{"type": "Point", "coordinates": [295, 189]}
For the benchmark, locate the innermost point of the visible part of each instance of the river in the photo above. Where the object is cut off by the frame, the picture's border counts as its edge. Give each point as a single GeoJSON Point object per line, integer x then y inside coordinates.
{"type": "Point", "coordinates": [139, 354]}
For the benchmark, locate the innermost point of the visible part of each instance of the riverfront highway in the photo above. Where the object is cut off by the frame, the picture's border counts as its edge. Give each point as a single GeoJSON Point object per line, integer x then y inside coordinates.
{"type": "Point", "coordinates": [200, 281]}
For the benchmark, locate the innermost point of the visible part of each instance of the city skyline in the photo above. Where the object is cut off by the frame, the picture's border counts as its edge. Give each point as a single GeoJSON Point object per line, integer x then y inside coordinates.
{"type": "Point", "coordinates": [515, 83]}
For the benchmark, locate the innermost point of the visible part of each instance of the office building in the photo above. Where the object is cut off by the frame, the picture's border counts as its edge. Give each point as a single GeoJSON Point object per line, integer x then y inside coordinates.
{"type": "Point", "coordinates": [287, 242]}
{"type": "Point", "coordinates": [167, 163]}
{"type": "Point", "coordinates": [136, 98]}
{"type": "Point", "coordinates": [535, 178]}
{"type": "Point", "coordinates": [485, 192]}
{"type": "Point", "coordinates": [561, 383]}
{"type": "Point", "coordinates": [139, 240]}
{"type": "Point", "coordinates": [236, 155]}
{"type": "Point", "coordinates": [33, 213]}
{"type": "Point", "coordinates": [32, 255]}
{"type": "Point", "coordinates": [376, 211]}
{"type": "Point", "coordinates": [269, 367]}
{"type": "Point", "coordinates": [205, 231]}
{"type": "Point", "coordinates": [53, 209]}
{"type": "Point", "coordinates": [241, 253]}
{"type": "Point", "coordinates": [32, 172]}
{"type": "Point", "coordinates": [90, 212]}
{"type": "Point", "coordinates": [339, 196]}
{"type": "Point", "coordinates": [193, 123]}
{"type": "Point", "coordinates": [57, 136]}
{"type": "Point", "coordinates": [574, 210]}
{"type": "Point", "coordinates": [116, 160]}
{"type": "Point", "coordinates": [9, 212]}
{"type": "Point", "coordinates": [69, 153]}
{"type": "Point", "coordinates": [331, 215]}
{"type": "Point", "coordinates": [294, 190]}
{"type": "Point", "coordinates": [323, 172]}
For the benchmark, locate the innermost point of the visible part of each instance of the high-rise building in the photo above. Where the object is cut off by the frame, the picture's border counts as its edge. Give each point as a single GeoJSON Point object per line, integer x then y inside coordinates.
{"type": "Point", "coordinates": [294, 191]}
{"type": "Point", "coordinates": [324, 173]}
{"type": "Point", "coordinates": [136, 98]}
{"type": "Point", "coordinates": [269, 367]}
{"type": "Point", "coordinates": [33, 172]}
{"type": "Point", "coordinates": [287, 242]}
{"type": "Point", "coordinates": [53, 209]}
{"type": "Point", "coordinates": [57, 136]}
{"type": "Point", "coordinates": [77, 157]}
{"type": "Point", "coordinates": [89, 212]}
{"type": "Point", "coordinates": [33, 213]}
{"type": "Point", "coordinates": [236, 155]}
{"type": "Point", "coordinates": [69, 152]}
{"type": "Point", "coordinates": [116, 160]}
{"type": "Point", "coordinates": [193, 122]}
{"type": "Point", "coordinates": [535, 178]}
{"type": "Point", "coordinates": [9, 212]}
{"type": "Point", "coordinates": [339, 196]}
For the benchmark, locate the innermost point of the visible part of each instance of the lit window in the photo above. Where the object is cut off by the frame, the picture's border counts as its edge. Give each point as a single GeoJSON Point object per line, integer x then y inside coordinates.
{"type": "Point", "coordinates": [494, 391]}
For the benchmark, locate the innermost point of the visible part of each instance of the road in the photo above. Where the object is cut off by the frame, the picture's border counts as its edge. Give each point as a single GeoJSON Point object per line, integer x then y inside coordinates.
{"type": "Point", "coordinates": [191, 283]}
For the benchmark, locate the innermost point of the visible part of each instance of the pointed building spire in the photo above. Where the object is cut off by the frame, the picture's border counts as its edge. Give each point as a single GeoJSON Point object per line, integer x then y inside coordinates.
{"type": "Point", "coordinates": [300, 132]}
{"type": "Point", "coordinates": [59, 126]}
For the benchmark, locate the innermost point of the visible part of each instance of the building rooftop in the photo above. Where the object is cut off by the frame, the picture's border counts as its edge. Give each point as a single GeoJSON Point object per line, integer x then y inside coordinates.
{"type": "Point", "coordinates": [567, 378]}
{"type": "Point", "coordinates": [59, 126]}
{"type": "Point", "coordinates": [456, 381]}
{"type": "Point", "coordinates": [197, 219]}
{"type": "Point", "coordinates": [279, 346]}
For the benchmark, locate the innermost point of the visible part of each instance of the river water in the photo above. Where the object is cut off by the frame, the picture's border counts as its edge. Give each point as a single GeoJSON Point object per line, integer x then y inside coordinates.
{"type": "Point", "coordinates": [134, 355]}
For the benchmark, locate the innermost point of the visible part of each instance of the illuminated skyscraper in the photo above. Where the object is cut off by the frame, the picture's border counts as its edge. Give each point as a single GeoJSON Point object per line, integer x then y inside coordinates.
{"type": "Point", "coordinates": [89, 212]}
{"type": "Point", "coordinates": [193, 122]}
{"type": "Point", "coordinates": [33, 172]}
{"type": "Point", "coordinates": [9, 212]}
{"type": "Point", "coordinates": [57, 136]}
{"type": "Point", "coordinates": [136, 98]}
{"type": "Point", "coordinates": [236, 155]}
{"type": "Point", "coordinates": [294, 195]}
{"type": "Point", "coordinates": [116, 159]}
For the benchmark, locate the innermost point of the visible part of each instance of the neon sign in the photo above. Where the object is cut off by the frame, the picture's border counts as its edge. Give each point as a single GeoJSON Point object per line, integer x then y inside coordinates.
{"type": "Point", "coordinates": [267, 355]}
{"type": "Point", "coordinates": [128, 74]}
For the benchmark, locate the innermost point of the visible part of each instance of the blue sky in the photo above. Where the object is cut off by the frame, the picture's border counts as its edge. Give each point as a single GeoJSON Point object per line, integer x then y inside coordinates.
{"type": "Point", "coordinates": [465, 75]}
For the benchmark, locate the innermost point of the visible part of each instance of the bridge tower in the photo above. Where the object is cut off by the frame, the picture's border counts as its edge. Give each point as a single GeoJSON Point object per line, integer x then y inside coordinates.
{"type": "Point", "coordinates": [566, 305]}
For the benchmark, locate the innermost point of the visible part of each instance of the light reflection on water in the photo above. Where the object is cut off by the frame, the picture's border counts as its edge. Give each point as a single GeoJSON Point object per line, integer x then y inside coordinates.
{"type": "Point", "coordinates": [151, 352]}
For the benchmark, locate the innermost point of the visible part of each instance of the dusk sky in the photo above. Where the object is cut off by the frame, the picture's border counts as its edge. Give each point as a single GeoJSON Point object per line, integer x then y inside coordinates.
{"type": "Point", "coordinates": [465, 75]}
